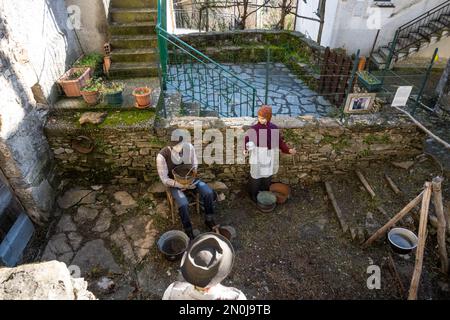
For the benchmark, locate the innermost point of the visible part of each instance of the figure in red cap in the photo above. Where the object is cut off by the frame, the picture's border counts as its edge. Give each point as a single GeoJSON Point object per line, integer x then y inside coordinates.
{"type": "Point", "coordinates": [263, 142]}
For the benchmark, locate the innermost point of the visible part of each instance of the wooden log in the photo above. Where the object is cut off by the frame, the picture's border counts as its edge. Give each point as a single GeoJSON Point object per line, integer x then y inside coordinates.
{"type": "Point", "coordinates": [441, 228]}
{"type": "Point", "coordinates": [447, 215]}
{"type": "Point", "coordinates": [394, 220]}
{"type": "Point", "coordinates": [338, 211]}
{"type": "Point", "coordinates": [421, 245]}
{"type": "Point", "coordinates": [365, 183]}
{"type": "Point", "coordinates": [392, 184]}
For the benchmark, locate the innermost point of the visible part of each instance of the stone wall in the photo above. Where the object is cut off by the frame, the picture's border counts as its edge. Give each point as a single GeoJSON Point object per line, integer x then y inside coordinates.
{"type": "Point", "coordinates": [36, 47]}
{"type": "Point", "coordinates": [127, 155]}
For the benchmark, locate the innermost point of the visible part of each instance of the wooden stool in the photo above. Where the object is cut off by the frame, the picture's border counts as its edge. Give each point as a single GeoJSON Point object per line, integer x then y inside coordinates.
{"type": "Point", "coordinates": [173, 205]}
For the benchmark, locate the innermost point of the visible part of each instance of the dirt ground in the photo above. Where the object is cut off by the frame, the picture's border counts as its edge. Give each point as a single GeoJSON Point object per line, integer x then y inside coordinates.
{"type": "Point", "coordinates": [298, 251]}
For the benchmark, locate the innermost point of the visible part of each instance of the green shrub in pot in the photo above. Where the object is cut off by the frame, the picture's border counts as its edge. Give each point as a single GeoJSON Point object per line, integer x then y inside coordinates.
{"type": "Point", "coordinates": [113, 93]}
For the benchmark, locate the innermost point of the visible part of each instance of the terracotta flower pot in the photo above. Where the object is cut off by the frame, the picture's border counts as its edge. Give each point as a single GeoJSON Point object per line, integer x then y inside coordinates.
{"type": "Point", "coordinates": [91, 97]}
{"type": "Point", "coordinates": [72, 87]}
{"type": "Point", "coordinates": [143, 97]}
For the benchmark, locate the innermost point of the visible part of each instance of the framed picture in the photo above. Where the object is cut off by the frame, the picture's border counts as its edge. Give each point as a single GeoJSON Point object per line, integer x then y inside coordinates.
{"type": "Point", "coordinates": [359, 102]}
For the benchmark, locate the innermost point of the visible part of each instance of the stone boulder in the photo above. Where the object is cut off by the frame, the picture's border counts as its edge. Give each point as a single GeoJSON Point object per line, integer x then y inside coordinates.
{"type": "Point", "coordinates": [42, 281]}
{"type": "Point", "coordinates": [92, 117]}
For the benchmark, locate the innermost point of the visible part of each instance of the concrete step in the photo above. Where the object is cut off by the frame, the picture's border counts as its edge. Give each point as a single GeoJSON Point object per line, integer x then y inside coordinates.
{"type": "Point", "coordinates": [133, 70]}
{"type": "Point", "coordinates": [134, 42]}
{"type": "Point", "coordinates": [135, 28]}
{"type": "Point", "coordinates": [127, 15]}
{"type": "Point", "coordinates": [427, 32]}
{"type": "Point", "coordinates": [134, 55]}
{"type": "Point", "coordinates": [438, 26]}
{"type": "Point", "coordinates": [379, 60]}
{"type": "Point", "coordinates": [445, 19]}
{"type": "Point", "coordinates": [133, 3]}
{"type": "Point", "coordinates": [384, 52]}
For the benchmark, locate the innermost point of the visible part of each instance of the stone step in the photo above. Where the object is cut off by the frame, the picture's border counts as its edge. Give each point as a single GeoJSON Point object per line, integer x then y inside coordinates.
{"type": "Point", "coordinates": [125, 15]}
{"type": "Point", "coordinates": [133, 70]}
{"type": "Point", "coordinates": [135, 28]}
{"type": "Point", "coordinates": [133, 3]}
{"type": "Point", "coordinates": [134, 42]}
{"type": "Point", "coordinates": [134, 55]}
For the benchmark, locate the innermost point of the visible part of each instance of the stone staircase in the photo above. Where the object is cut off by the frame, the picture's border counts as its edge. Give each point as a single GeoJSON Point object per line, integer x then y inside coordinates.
{"type": "Point", "coordinates": [133, 39]}
{"type": "Point", "coordinates": [413, 39]}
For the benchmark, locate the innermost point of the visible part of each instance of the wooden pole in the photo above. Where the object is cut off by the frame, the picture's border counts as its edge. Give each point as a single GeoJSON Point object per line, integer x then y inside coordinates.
{"type": "Point", "coordinates": [396, 276]}
{"type": "Point", "coordinates": [338, 211]}
{"type": "Point", "coordinates": [365, 183]}
{"type": "Point", "coordinates": [394, 220]}
{"type": "Point", "coordinates": [441, 229]}
{"type": "Point", "coordinates": [421, 126]}
{"type": "Point", "coordinates": [421, 245]}
{"type": "Point", "coordinates": [392, 184]}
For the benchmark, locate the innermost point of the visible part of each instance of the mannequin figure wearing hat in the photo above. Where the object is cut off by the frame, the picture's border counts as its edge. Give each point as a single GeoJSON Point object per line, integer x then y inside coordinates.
{"type": "Point", "coordinates": [168, 158]}
{"type": "Point", "coordinates": [207, 261]}
{"type": "Point", "coordinates": [263, 148]}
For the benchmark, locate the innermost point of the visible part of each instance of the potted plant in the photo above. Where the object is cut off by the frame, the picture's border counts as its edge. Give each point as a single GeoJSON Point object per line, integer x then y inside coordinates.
{"type": "Point", "coordinates": [142, 96]}
{"type": "Point", "coordinates": [91, 91]}
{"type": "Point", "coordinates": [369, 81]}
{"type": "Point", "coordinates": [93, 61]}
{"type": "Point", "coordinates": [112, 92]}
{"type": "Point", "coordinates": [72, 81]}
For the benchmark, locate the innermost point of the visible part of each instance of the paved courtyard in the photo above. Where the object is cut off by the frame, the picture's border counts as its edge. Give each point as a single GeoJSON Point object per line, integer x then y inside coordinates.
{"type": "Point", "coordinates": [287, 94]}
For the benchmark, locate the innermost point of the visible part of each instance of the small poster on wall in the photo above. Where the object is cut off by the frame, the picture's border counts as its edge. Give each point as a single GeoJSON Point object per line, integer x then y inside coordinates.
{"type": "Point", "coordinates": [402, 96]}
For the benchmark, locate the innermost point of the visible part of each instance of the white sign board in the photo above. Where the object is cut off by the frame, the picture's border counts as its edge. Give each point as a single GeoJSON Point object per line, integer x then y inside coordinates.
{"type": "Point", "coordinates": [402, 96]}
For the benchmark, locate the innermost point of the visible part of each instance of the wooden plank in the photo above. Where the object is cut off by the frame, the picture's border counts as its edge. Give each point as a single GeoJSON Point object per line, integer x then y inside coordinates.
{"type": "Point", "coordinates": [323, 69]}
{"type": "Point", "coordinates": [392, 185]}
{"type": "Point", "coordinates": [441, 229]}
{"type": "Point", "coordinates": [421, 245]}
{"type": "Point", "coordinates": [394, 220]}
{"type": "Point", "coordinates": [338, 211]}
{"type": "Point", "coordinates": [346, 70]}
{"type": "Point", "coordinates": [336, 75]}
{"type": "Point", "coordinates": [365, 183]}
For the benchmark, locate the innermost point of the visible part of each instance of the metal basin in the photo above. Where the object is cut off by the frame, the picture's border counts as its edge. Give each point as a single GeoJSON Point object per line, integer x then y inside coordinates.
{"type": "Point", "coordinates": [402, 240]}
{"type": "Point", "coordinates": [173, 244]}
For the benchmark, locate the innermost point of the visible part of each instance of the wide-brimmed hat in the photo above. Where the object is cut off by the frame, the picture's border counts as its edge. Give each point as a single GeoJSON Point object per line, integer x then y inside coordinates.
{"type": "Point", "coordinates": [208, 260]}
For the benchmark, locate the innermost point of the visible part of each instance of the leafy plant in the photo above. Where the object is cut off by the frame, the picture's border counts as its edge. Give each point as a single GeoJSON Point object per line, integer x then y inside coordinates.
{"type": "Point", "coordinates": [112, 87]}
{"type": "Point", "coordinates": [90, 60]}
{"type": "Point", "coordinates": [368, 77]}
{"type": "Point", "coordinates": [92, 85]}
{"type": "Point", "coordinates": [75, 75]}
{"type": "Point", "coordinates": [140, 91]}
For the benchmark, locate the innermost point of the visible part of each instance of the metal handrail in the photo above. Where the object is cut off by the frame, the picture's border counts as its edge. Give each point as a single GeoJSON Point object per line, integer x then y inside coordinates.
{"type": "Point", "coordinates": [414, 26]}
{"type": "Point", "coordinates": [165, 37]}
{"type": "Point", "coordinates": [424, 15]}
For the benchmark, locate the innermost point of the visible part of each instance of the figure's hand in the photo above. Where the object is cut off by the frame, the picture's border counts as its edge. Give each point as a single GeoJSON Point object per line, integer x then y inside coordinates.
{"type": "Point", "coordinates": [194, 173]}
{"type": "Point", "coordinates": [292, 151]}
{"type": "Point", "coordinates": [245, 152]}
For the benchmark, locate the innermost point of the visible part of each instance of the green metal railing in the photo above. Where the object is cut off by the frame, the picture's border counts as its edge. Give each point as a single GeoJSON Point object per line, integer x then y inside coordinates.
{"type": "Point", "coordinates": [200, 79]}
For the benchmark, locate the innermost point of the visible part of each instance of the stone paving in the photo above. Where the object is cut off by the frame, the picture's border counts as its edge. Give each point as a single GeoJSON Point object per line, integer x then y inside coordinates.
{"type": "Point", "coordinates": [287, 94]}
